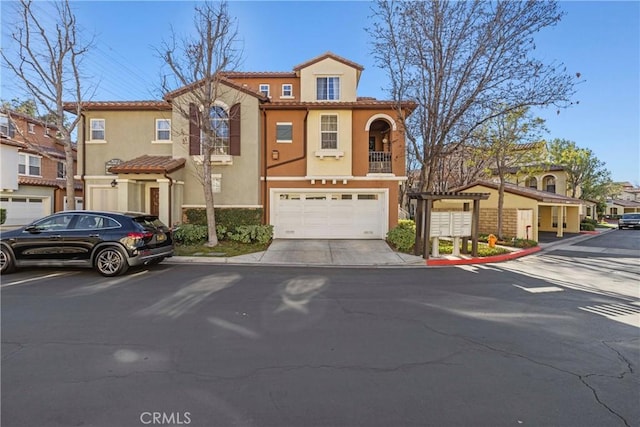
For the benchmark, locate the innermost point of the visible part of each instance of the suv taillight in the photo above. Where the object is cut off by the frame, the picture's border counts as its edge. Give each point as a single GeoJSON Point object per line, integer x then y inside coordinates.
{"type": "Point", "coordinates": [140, 235]}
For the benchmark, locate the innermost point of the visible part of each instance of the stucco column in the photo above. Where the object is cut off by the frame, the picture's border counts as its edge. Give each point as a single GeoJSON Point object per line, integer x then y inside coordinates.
{"type": "Point", "coordinates": [560, 221]}
{"type": "Point", "coordinates": [165, 196]}
{"type": "Point", "coordinates": [123, 195]}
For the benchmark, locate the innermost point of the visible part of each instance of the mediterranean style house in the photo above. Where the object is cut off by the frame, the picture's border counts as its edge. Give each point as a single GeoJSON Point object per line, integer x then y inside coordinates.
{"type": "Point", "coordinates": [33, 176]}
{"type": "Point", "coordinates": [301, 145]}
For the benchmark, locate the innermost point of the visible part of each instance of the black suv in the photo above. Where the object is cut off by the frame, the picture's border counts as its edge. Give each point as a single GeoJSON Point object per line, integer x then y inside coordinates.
{"type": "Point", "coordinates": [107, 241]}
{"type": "Point", "coordinates": [629, 220]}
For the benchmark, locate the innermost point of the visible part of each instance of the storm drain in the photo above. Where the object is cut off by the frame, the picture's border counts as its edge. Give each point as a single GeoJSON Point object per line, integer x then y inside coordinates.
{"type": "Point", "coordinates": [624, 313]}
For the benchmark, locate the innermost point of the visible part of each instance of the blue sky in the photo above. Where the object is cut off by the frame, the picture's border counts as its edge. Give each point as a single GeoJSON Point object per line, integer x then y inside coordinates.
{"type": "Point", "coordinates": [601, 40]}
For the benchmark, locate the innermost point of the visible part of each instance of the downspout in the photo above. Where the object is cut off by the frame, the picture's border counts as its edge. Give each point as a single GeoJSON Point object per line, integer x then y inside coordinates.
{"type": "Point", "coordinates": [304, 146]}
{"type": "Point", "coordinates": [264, 161]}
{"type": "Point", "coordinates": [166, 175]}
{"type": "Point", "coordinates": [295, 159]}
{"type": "Point", "coordinates": [84, 161]}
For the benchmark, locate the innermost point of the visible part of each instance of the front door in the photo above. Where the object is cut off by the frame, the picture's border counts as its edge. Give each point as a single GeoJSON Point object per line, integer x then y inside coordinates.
{"type": "Point", "coordinates": [155, 201]}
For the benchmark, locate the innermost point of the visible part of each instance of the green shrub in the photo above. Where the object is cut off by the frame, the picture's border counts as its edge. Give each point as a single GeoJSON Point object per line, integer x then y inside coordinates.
{"type": "Point", "coordinates": [251, 233]}
{"type": "Point", "coordinates": [403, 237]}
{"type": "Point", "coordinates": [191, 234]}
{"type": "Point", "coordinates": [3, 215]}
{"type": "Point", "coordinates": [590, 221]}
{"type": "Point", "coordinates": [587, 226]}
{"type": "Point", "coordinates": [227, 217]}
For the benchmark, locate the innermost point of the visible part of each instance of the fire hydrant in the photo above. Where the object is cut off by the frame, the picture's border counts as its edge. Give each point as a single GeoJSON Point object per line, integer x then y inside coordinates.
{"type": "Point", "coordinates": [492, 240]}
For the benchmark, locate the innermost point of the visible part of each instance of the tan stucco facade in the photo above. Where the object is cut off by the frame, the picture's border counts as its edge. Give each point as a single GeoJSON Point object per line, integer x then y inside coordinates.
{"type": "Point", "coordinates": [523, 216]}
{"type": "Point", "coordinates": [369, 156]}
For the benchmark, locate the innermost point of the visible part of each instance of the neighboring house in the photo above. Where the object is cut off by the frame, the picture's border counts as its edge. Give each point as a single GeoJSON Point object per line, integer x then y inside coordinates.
{"type": "Point", "coordinates": [33, 177]}
{"type": "Point", "coordinates": [321, 161]}
{"type": "Point", "coordinates": [617, 207]}
{"type": "Point", "coordinates": [526, 211]}
{"type": "Point", "coordinates": [550, 179]}
{"type": "Point", "coordinates": [628, 192]}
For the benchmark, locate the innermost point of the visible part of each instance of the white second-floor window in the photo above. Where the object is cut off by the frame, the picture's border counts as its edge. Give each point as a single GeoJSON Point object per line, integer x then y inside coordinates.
{"type": "Point", "coordinates": [264, 88]}
{"type": "Point", "coordinates": [329, 132]}
{"type": "Point", "coordinates": [97, 129]}
{"type": "Point", "coordinates": [328, 88]}
{"type": "Point", "coordinates": [284, 132]}
{"type": "Point", "coordinates": [29, 165]}
{"type": "Point", "coordinates": [31, 127]}
{"type": "Point", "coordinates": [163, 130]}
{"type": "Point", "coordinates": [287, 90]}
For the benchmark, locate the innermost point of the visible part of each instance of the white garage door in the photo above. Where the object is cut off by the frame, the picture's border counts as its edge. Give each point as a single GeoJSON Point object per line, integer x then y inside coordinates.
{"type": "Point", "coordinates": [23, 210]}
{"type": "Point", "coordinates": [329, 215]}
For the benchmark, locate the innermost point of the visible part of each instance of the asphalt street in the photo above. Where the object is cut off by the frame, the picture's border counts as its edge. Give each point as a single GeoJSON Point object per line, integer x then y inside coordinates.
{"type": "Point", "coordinates": [222, 345]}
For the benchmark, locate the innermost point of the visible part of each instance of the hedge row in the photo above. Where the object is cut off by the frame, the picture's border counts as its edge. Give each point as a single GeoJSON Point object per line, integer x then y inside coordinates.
{"type": "Point", "coordinates": [235, 224]}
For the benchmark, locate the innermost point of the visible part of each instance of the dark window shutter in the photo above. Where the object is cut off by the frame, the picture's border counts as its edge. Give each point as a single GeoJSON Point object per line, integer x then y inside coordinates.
{"type": "Point", "coordinates": [194, 131]}
{"type": "Point", "coordinates": [234, 130]}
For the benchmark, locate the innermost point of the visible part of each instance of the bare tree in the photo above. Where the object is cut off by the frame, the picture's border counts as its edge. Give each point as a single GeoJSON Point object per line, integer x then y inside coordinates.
{"type": "Point", "coordinates": [464, 63]}
{"type": "Point", "coordinates": [47, 60]}
{"type": "Point", "coordinates": [513, 144]}
{"type": "Point", "coordinates": [198, 63]}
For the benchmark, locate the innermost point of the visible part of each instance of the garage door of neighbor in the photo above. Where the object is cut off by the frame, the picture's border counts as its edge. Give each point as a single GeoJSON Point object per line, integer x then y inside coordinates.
{"type": "Point", "coordinates": [329, 215]}
{"type": "Point", "coordinates": [23, 210]}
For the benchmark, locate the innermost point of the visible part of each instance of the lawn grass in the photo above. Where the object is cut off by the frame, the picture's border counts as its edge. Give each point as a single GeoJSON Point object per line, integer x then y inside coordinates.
{"type": "Point", "coordinates": [225, 248]}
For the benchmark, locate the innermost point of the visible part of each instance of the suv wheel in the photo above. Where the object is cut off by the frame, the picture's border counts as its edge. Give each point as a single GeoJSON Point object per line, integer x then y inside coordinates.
{"type": "Point", "coordinates": [111, 262]}
{"type": "Point", "coordinates": [6, 262]}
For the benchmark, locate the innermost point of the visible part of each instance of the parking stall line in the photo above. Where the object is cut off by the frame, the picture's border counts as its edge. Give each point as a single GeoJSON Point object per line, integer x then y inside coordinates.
{"type": "Point", "coordinates": [33, 279]}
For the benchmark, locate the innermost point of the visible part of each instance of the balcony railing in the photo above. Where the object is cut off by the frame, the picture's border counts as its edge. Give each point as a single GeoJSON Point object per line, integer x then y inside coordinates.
{"type": "Point", "coordinates": [379, 162]}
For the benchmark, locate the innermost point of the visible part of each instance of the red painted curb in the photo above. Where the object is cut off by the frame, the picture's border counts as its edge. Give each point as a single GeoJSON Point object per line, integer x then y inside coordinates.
{"type": "Point", "coordinates": [484, 260]}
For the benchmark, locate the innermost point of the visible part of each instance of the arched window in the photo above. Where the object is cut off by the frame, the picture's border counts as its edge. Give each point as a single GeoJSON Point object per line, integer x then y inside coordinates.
{"type": "Point", "coordinates": [531, 182]}
{"type": "Point", "coordinates": [549, 184]}
{"type": "Point", "coordinates": [219, 138]}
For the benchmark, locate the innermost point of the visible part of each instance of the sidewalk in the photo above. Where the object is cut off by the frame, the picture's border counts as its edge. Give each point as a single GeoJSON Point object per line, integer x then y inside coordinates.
{"type": "Point", "coordinates": [318, 252]}
{"type": "Point", "coordinates": [359, 253]}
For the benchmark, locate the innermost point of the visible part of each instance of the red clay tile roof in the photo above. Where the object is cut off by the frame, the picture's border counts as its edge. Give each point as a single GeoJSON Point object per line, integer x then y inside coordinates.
{"type": "Point", "coordinates": [624, 203]}
{"type": "Point", "coordinates": [360, 103]}
{"type": "Point", "coordinates": [223, 80]}
{"type": "Point", "coordinates": [263, 74]}
{"type": "Point", "coordinates": [119, 105]}
{"type": "Point", "coordinates": [328, 55]}
{"type": "Point", "coordinates": [12, 142]}
{"type": "Point", "coordinates": [28, 118]}
{"type": "Point", "coordinates": [42, 182]}
{"type": "Point", "coordinates": [149, 164]}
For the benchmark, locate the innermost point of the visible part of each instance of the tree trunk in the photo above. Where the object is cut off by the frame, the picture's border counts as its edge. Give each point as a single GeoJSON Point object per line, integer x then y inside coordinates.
{"type": "Point", "coordinates": [70, 182]}
{"type": "Point", "coordinates": [500, 206]}
{"type": "Point", "coordinates": [208, 197]}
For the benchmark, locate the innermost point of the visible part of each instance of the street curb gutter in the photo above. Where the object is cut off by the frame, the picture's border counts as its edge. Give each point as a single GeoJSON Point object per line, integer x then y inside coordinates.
{"type": "Point", "coordinates": [483, 260]}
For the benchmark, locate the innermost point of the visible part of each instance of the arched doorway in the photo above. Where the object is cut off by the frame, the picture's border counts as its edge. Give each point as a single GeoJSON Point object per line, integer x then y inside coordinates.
{"type": "Point", "coordinates": [380, 134]}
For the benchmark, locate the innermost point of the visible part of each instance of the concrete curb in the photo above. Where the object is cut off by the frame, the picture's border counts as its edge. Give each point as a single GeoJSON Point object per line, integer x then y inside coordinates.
{"type": "Point", "coordinates": [483, 260]}
{"type": "Point", "coordinates": [584, 235]}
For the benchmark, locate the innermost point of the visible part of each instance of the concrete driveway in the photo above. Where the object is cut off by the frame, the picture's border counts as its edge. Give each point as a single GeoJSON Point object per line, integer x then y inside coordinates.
{"type": "Point", "coordinates": [330, 252]}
